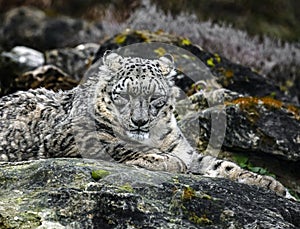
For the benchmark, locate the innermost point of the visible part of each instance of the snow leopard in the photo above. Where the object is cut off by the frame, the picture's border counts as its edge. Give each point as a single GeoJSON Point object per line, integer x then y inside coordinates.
{"type": "Point", "coordinates": [124, 111]}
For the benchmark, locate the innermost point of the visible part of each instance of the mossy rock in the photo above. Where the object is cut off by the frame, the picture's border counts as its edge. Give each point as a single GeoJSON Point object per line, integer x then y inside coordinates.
{"type": "Point", "coordinates": [59, 193]}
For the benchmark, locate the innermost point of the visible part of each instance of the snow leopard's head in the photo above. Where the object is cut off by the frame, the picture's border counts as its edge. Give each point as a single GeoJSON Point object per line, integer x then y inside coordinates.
{"type": "Point", "coordinates": [142, 95]}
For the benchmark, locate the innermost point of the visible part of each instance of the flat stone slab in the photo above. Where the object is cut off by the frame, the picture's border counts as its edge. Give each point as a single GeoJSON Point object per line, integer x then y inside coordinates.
{"type": "Point", "coordinates": [83, 193]}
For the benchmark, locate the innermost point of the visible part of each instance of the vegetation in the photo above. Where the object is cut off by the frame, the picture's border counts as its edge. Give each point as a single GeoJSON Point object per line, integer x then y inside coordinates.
{"type": "Point", "coordinates": [244, 162]}
{"type": "Point", "coordinates": [99, 174]}
{"type": "Point", "coordinates": [275, 18]}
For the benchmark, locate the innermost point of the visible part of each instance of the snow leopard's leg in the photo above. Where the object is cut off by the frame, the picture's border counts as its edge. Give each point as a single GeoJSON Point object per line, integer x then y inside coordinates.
{"type": "Point", "coordinates": [213, 167]}
{"type": "Point", "coordinates": [155, 160]}
{"type": "Point", "coordinates": [174, 154]}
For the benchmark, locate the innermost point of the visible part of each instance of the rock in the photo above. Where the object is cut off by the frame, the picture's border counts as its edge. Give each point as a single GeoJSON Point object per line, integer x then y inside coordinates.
{"type": "Point", "coordinates": [22, 58]}
{"type": "Point", "coordinates": [278, 62]}
{"type": "Point", "coordinates": [156, 50]}
{"type": "Point", "coordinates": [33, 28]}
{"type": "Point", "coordinates": [22, 26]}
{"type": "Point", "coordinates": [68, 32]}
{"type": "Point", "coordinates": [62, 193]}
{"type": "Point", "coordinates": [47, 76]}
{"type": "Point", "coordinates": [241, 79]}
{"type": "Point", "coordinates": [74, 61]}
{"type": "Point", "coordinates": [19, 60]}
{"type": "Point", "coordinates": [263, 125]}
{"type": "Point", "coordinates": [24, 68]}
{"type": "Point", "coordinates": [253, 124]}
{"type": "Point", "coordinates": [264, 131]}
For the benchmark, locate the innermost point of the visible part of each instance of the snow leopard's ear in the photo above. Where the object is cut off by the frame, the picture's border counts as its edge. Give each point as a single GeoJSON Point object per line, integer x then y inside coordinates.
{"type": "Point", "coordinates": [166, 64]}
{"type": "Point", "coordinates": [112, 60]}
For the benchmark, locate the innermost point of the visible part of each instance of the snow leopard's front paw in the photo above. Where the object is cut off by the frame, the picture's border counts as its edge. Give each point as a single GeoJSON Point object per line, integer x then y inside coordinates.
{"type": "Point", "coordinates": [214, 167]}
{"type": "Point", "coordinates": [164, 162]}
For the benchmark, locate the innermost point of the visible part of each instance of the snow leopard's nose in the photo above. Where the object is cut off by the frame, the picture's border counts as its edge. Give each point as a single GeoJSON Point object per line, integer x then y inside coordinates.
{"type": "Point", "coordinates": [139, 122]}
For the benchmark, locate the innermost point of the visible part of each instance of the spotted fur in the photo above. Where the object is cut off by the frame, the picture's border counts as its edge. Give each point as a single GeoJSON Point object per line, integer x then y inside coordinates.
{"type": "Point", "coordinates": [123, 112]}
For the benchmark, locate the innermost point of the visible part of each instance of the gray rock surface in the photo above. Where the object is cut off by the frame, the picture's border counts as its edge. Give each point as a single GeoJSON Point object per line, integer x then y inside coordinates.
{"type": "Point", "coordinates": [47, 76]}
{"type": "Point", "coordinates": [24, 68]}
{"type": "Point", "coordinates": [15, 62]}
{"type": "Point", "coordinates": [253, 124]}
{"type": "Point", "coordinates": [24, 58]}
{"type": "Point", "coordinates": [82, 193]}
{"type": "Point", "coordinates": [261, 130]}
{"type": "Point", "coordinates": [74, 61]}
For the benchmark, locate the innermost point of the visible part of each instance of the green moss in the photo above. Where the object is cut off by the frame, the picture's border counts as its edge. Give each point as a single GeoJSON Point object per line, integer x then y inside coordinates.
{"type": "Point", "coordinates": [24, 220]}
{"type": "Point", "coordinates": [142, 35]}
{"type": "Point", "coordinates": [175, 180]}
{"type": "Point", "coordinates": [294, 194]}
{"type": "Point", "coordinates": [273, 94]}
{"type": "Point", "coordinates": [99, 174]}
{"type": "Point", "coordinates": [31, 217]}
{"type": "Point", "coordinates": [126, 187]}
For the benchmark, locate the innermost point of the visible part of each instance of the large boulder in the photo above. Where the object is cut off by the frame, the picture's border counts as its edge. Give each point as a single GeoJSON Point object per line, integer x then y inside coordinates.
{"type": "Point", "coordinates": [253, 124]}
{"type": "Point", "coordinates": [83, 193]}
{"type": "Point", "coordinates": [31, 27]}
{"type": "Point", "coordinates": [23, 68]}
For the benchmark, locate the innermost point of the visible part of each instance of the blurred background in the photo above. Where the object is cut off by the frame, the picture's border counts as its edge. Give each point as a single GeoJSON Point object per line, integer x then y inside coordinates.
{"type": "Point", "coordinates": [275, 18]}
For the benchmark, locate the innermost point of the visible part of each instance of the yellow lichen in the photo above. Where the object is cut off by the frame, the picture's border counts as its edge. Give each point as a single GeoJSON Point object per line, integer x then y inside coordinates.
{"type": "Point", "coordinates": [294, 110]}
{"type": "Point", "coordinates": [253, 103]}
{"type": "Point", "coordinates": [188, 193]}
{"type": "Point", "coordinates": [289, 83]}
{"type": "Point", "coordinates": [206, 197]}
{"type": "Point", "coordinates": [217, 58]}
{"type": "Point", "coordinates": [185, 41]}
{"type": "Point", "coordinates": [199, 220]}
{"type": "Point", "coordinates": [142, 35]}
{"type": "Point", "coordinates": [160, 51]}
{"type": "Point", "coordinates": [159, 32]}
{"type": "Point", "coordinates": [120, 39]}
{"type": "Point", "coordinates": [188, 57]}
{"type": "Point", "coordinates": [210, 62]}
{"type": "Point", "coordinates": [229, 74]}
{"type": "Point", "coordinates": [271, 102]}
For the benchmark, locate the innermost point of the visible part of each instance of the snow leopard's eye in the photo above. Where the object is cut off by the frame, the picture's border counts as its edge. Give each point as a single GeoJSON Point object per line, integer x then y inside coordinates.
{"type": "Point", "coordinates": [120, 99]}
{"type": "Point", "coordinates": [158, 102]}
{"type": "Point", "coordinates": [124, 96]}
